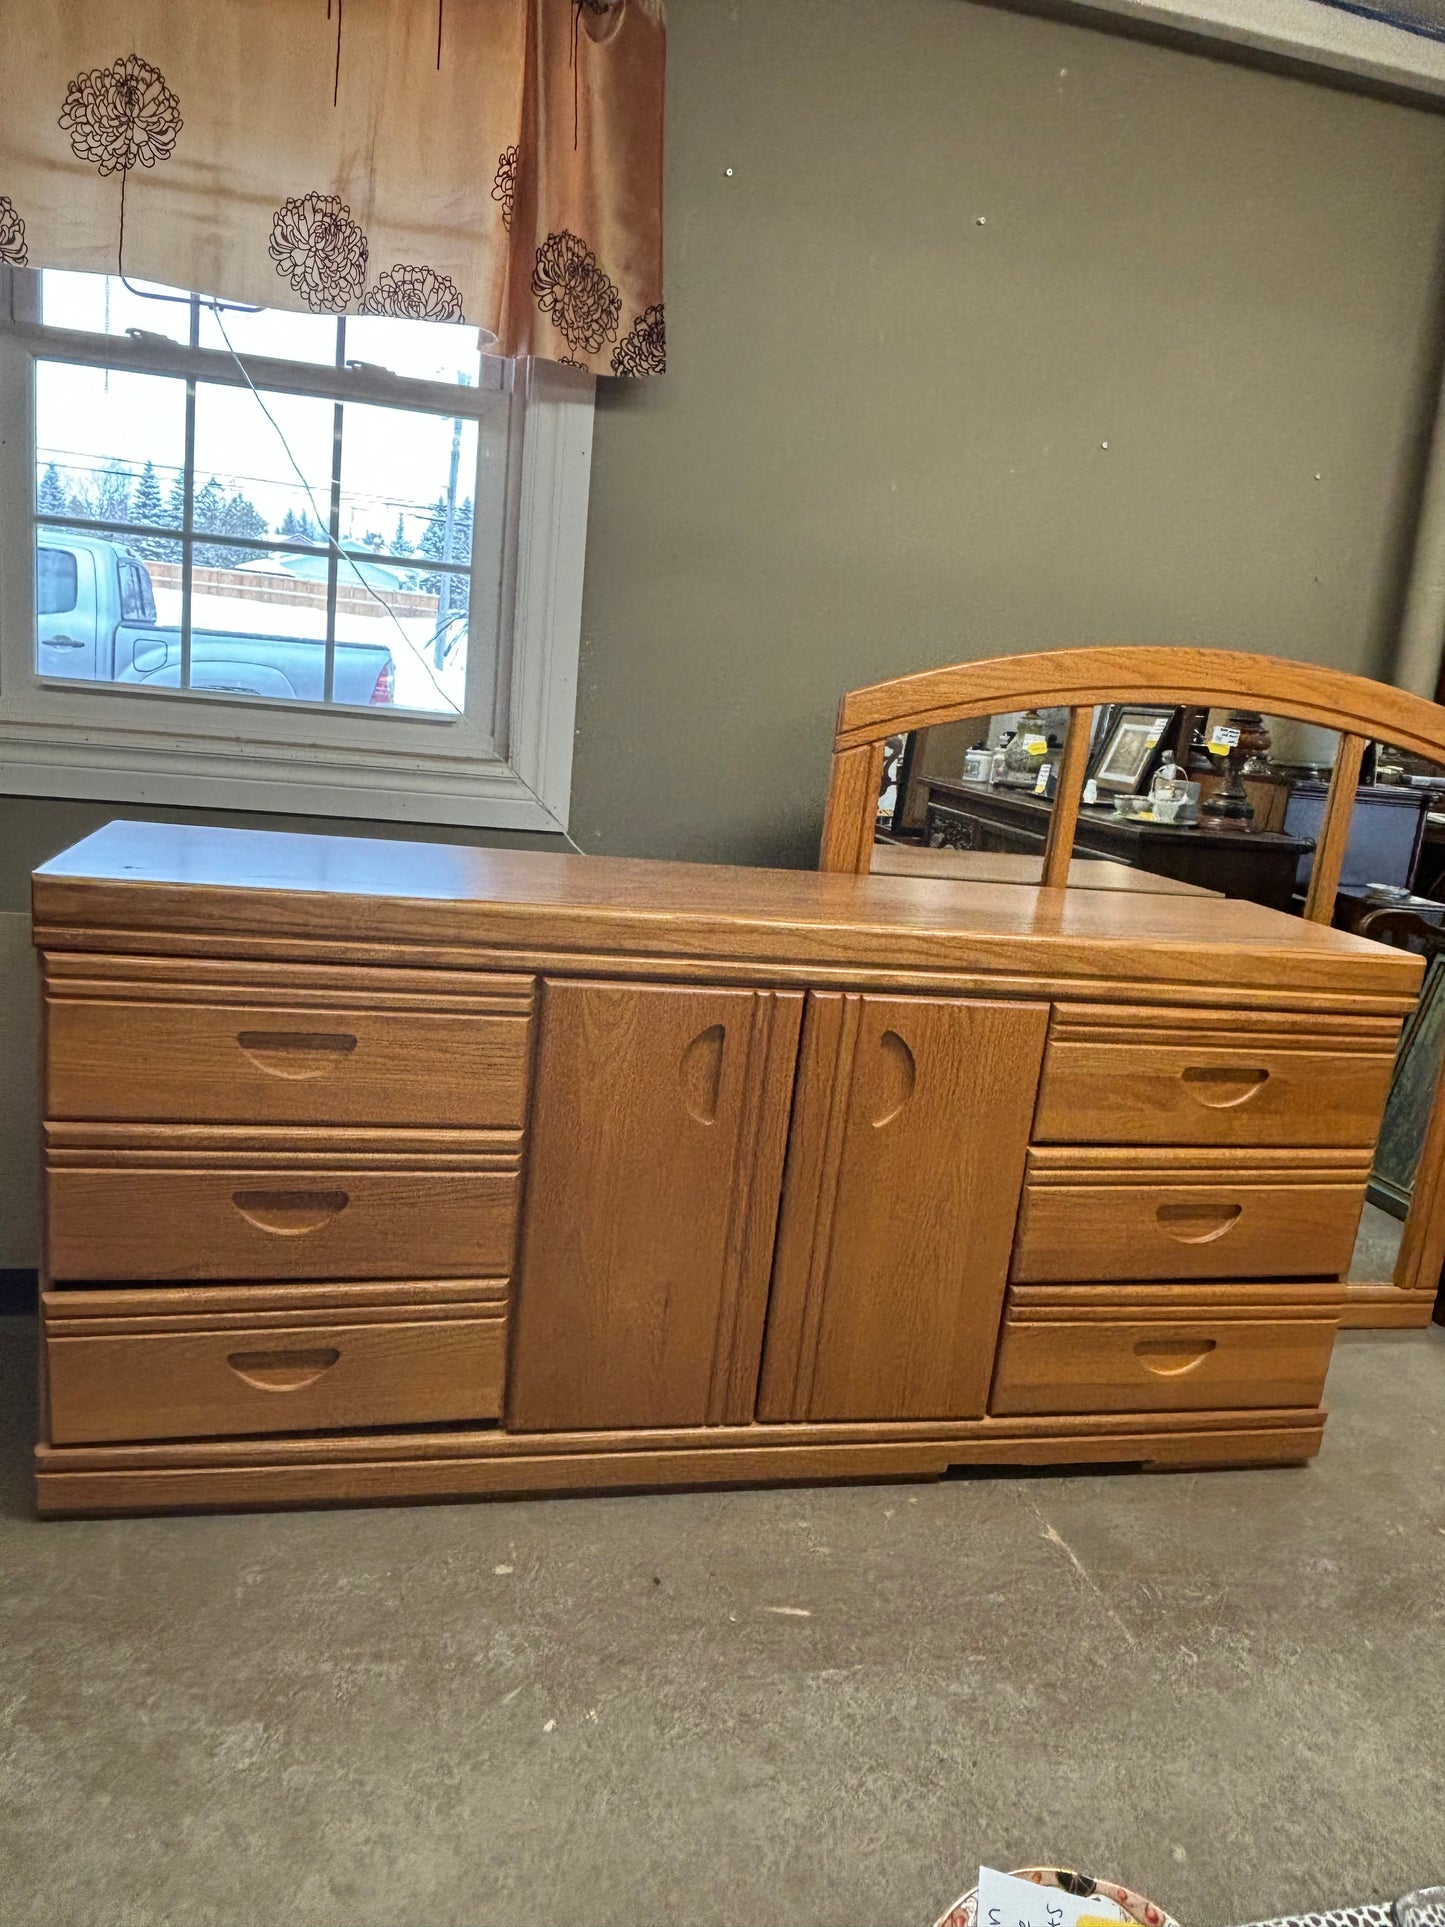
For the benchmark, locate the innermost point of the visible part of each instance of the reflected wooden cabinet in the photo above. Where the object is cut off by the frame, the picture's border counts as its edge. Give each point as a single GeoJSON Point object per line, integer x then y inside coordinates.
{"type": "Point", "coordinates": [378, 1171]}
{"type": "Point", "coordinates": [1262, 866]}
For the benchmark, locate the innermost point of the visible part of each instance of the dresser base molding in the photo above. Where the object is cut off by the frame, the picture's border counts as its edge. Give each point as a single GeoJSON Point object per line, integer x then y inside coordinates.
{"type": "Point", "coordinates": [382, 1468]}
{"type": "Point", "coordinates": [1386, 1308]}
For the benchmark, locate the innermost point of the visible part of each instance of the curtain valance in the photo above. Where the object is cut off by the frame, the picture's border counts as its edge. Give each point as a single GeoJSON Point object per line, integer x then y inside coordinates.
{"type": "Point", "coordinates": [498, 161]}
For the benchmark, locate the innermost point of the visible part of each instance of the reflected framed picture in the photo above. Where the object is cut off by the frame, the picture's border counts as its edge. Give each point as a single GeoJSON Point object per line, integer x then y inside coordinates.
{"type": "Point", "coordinates": [1131, 747]}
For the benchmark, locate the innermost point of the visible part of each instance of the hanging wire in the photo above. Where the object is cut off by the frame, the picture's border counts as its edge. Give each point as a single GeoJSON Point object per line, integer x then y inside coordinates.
{"type": "Point", "coordinates": [336, 77]}
{"type": "Point", "coordinates": [154, 294]}
{"type": "Point", "coordinates": [216, 308]}
{"type": "Point", "coordinates": [576, 37]}
{"type": "Point", "coordinates": [324, 521]}
{"type": "Point", "coordinates": [342, 556]}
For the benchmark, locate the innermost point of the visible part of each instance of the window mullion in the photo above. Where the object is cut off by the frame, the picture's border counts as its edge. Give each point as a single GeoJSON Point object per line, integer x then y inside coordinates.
{"type": "Point", "coordinates": [333, 556]}
{"type": "Point", "coordinates": [188, 524]}
{"type": "Point", "coordinates": [188, 519]}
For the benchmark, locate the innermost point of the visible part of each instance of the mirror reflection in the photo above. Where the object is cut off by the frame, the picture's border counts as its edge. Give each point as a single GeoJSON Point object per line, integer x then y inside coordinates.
{"type": "Point", "coordinates": [1186, 801]}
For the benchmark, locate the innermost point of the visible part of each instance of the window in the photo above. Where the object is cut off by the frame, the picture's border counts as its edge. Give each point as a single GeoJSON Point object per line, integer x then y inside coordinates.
{"type": "Point", "coordinates": [299, 562]}
{"type": "Point", "coordinates": [137, 597]}
{"type": "Point", "coordinates": [55, 582]}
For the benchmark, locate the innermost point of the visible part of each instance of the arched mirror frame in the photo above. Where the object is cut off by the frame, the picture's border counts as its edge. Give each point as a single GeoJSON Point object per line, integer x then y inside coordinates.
{"type": "Point", "coordinates": [1079, 680]}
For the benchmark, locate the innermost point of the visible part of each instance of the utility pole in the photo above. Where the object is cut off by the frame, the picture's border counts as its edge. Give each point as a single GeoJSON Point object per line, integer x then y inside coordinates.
{"type": "Point", "coordinates": [444, 593]}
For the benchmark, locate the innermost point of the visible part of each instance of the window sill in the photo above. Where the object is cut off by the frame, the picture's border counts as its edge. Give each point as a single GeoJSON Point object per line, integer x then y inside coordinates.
{"type": "Point", "coordinates": [478, 795]}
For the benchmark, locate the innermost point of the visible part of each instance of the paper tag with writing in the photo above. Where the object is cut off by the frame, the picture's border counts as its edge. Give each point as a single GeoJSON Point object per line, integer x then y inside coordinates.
{"type": "Point", "coordinates": [1041, 787]}
{"type": "Point", "coordinates": [1222, 738]}
{"type": "Point", "coordinates": [1037, 745]}
{"type": "Point", "coordinates": [1006, 1901]}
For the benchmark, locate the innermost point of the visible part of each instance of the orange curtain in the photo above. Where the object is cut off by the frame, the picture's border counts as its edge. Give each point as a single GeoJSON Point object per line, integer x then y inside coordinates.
{"type": "Point", "coordinates": [498, 161]}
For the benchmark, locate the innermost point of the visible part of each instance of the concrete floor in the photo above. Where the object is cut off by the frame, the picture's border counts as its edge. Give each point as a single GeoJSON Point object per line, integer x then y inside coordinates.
{"type": "Point", "coordinates": [1377, 1246]}
{"type": "Point", "coordinates": [1227, 1689]}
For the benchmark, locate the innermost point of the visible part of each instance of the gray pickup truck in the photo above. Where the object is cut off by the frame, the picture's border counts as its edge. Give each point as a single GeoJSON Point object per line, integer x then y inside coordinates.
{"type": "Point", "coordinates": [96, 622]}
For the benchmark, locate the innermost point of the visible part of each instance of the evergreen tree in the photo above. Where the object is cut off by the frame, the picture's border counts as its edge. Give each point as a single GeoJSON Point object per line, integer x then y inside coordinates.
{"type": "Point", "coordinates": [298, 528]}
{"type": "Point", "coordinates": [433, 536]}
{"type": "Point", "coordinates": [51, 497]}
{"type": "Point", "coordinates": [147, 506]}
{"type": "Point", "coordinates": [210, 508]}
{"type": "Point", "coordinates": [209, 514]}
{"type": "Point", "coordinates": [462, 551]}
{"type": "Point", "coordinates": [112, 494]}
{"type": "Point", "coordinates": [399, 542]}
{"type": "Point", "coordinates": [176, 502]}
{"type": "Point", "coordinates": [241, 517]}
{"type": "Point", "coordinates": [450, 590]}
{"type": "Point", "coordinates": [434, 541]}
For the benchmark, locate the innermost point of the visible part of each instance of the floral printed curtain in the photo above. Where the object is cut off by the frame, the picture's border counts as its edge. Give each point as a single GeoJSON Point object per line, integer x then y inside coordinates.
{"type": "Point", "coordinates": [494, 161]}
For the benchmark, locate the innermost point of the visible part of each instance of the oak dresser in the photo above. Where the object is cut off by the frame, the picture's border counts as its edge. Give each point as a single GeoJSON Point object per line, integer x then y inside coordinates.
{"type": "Point", "coordinates": [389, 1171]}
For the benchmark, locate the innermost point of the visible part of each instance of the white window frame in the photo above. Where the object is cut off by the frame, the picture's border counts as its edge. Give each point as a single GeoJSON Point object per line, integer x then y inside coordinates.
{"type": "Point", "coordinates": [507, 764]}
{"type": "Point", "coordinates": [1368, 45]}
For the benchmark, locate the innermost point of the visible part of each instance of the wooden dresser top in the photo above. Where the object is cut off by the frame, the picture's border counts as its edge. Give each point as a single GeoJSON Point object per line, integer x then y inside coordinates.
{"type": "Point", "coordinates": [166, 887]}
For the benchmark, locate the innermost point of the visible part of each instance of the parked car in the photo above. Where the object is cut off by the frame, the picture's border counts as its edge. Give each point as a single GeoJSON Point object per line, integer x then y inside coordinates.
{"type": "Point", "coordinates": [96, 622]}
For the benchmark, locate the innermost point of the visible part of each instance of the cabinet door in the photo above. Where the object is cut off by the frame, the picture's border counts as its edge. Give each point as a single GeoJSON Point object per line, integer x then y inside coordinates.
{"type": "Point", "coordinates": [905, 1165]}
{"type": "Point", "coordinates": [658, 1130]}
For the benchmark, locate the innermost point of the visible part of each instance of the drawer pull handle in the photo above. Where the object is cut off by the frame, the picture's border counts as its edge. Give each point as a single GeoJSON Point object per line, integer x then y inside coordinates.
{"type": "Point", "coordinates": [1197, 1224]}
{"type": "Point", "coordinates": [1173, 1357]}
{"type": "Point", "coordinates": [288, 1214]}
{"type": "Point", "coordinates": [1220, 1086]}
{"type": "Point", "coordinates": [897, 1077]}
{"type": "Point", "coordinates": [284, 1371]}
{"type": "Point", "coordinates": [701, 1073]}
{"type": "Point", "coordinates": [296, 1053]}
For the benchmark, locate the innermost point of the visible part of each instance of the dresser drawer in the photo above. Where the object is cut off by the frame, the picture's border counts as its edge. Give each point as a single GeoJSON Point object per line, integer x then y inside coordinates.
{"type": "Point", "coordinates": [1135, 1359]}
{"type": "Point", "coordinates": [263, 1063]}
{"type": "Point", "coordinates": [1148, 1093]}
{"type": "Point", "coordinates": [110, 1385]}
{"type": "Point", "coordinates": [239, 1223]}
{"type": "Point", "coordinates": [1207, 1214]}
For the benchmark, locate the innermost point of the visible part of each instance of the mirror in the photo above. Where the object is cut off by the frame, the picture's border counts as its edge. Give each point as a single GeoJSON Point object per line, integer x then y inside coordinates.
{"type": "Point", "coordinates": [971, 801]}
{"type": "Point", "coordinates": [1201, 802]}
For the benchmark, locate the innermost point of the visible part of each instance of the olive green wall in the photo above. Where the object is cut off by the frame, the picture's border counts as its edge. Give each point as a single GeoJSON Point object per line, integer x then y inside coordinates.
{"type": "Point", "coordinates": [882, 442]}
{"type": "Point", "coordinates": [960, 250]}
